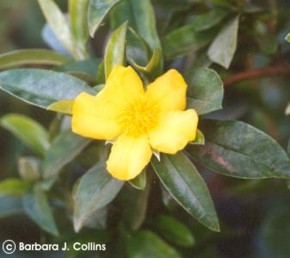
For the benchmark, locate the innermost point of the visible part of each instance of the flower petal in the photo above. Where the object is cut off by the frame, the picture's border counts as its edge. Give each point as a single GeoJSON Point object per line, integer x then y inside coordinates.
{"type": "Point", "coordinates": [123, 86]}
{"type": "Point", "coordinates": [168, 91]}
{"type": "Point", "coordinates": [94, 117]}
{"type": "Point", "coordinates": [174, 131]}
{"type": "Point", "coordinates": [129, 156]}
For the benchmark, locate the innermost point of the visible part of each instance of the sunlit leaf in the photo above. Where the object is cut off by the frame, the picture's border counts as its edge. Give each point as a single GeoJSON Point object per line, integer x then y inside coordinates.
{"type": "Point", "coordinates": [36, 206]}
{"type": "Point", "coordinates": [62, 106]}
{"type": "Point", "coordinates": [78, 11]}
{"type": "Point", "coordinates": [140, 181]}
{"type": "Point", "coordinates": [115, 50]}
{"type": "Point", "coordinates": [98, 9]}
{"type": "Point", "coordinates": [239, 150]}
{"type": "Point", "coordinates": [14, 187]}
{"type": "Point", "coordinates": [58, 23]}
{"type": "Point", "coordinates": [27, 130]}
{"type": "Point", "coordinates": [288, 37]}
{"type": "Point", "coordinates": [223, 48]}
{"type": "Point", "coordinates": [95, 190]}
{"type": "Point", "coordinates": [205, 91]}
{"type": "Point", "coordinates": [31, 57]}
{"type": "Point", "coordinates": [41, 87]}
{"type": "Point", "coordinates": [184, 183]}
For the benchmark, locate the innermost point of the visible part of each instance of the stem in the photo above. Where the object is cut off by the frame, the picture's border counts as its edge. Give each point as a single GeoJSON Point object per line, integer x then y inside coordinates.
{"type": "Point", "coordinates": [256, 73]}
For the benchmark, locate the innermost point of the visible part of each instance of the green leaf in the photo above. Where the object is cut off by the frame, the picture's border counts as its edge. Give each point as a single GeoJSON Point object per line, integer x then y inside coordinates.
{"type": "Point", "coordinates": [95, 190]}
{"type": "Point", "coordinates": [78, 11]}
{"type": "Point", "coordinates": [140, 16]}
{"type": "Point", "coordinates": [28, 131]}
{"type": "Point", "coordinates": [14, 187]}
{"type": "Point", "coordinates": [288, 37]}
{"type": "Point", "coordinates": [115, 49]}
{"type": "Point", "coordinates": [133, 204]}
{"type": "Point", "coordinates": [154, 66]}
{"type": "Point", "coordinates": [58, 23]}
{"type": "Point", "coordinates": [137, 50]}
{"type": "Point", "coordinates": [31, 57]}
{"type": "Point", "coordinates": [239, 150]}
{"type": "Point", "coordinates": [200, 139]}
{"type": "Point", "coordinates": [10, 206]}
{"type": "Point", "coordinates": [98, 9]}
{"type": "Point", "coordinates": [36, 206]}
{"type": "Point", "coordinates": [140, 181]}
{"type": "Point", "coordinates": [62, 106]}
{"type": "Point", "coordinates": [209, 19]}
{"type": "Point", "coordinates": [223, 48]}
{"type": "Point", "coordinates": [144, 244]}
{"type": "Point", "coordinates": [174, 231]}
{"type": "Point", "coordinates": [182, 180]}
{"type": "Point", "coordinates": [41, 87]}
{"type": "Point", "coordinates": [205, 91]}
{"type": "Point", "coordinates": [185, 39]}
{"type": "Point", "coordinates": [63, 149]}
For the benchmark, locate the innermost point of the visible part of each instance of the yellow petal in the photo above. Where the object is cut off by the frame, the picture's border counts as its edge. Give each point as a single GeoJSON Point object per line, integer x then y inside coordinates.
{"type": "Point", "coordinates": [123, 86]}
{"type": "Point", "coordinates": [94, 117]}
{"type": "Point", "coordinates": [174, 131]}
{"type": "Point", "coordinates": [129, 156]}
{"type": "Point", "coordinates": [168, 91]}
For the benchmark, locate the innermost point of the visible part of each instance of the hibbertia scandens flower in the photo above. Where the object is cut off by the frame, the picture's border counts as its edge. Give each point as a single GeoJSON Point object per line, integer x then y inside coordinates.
{"type": "Point", "coordinates": [137, 121]}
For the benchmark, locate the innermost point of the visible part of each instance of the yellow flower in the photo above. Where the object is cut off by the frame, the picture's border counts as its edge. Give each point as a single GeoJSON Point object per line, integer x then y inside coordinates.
{"type": "Point", "coordinates": [138, 122]}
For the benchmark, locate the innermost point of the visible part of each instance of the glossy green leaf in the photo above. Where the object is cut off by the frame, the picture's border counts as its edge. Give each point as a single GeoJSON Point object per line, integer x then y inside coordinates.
{"type": "Point", "coordinates": [78, 11]}
{"type": "Point", "coordinates": [205, 91]}
{"type": "Point", "coordinates": [58, 23]}
{"type": "Point", "coordinates": [98, 9]}
{"type": "Point", "coordinates": [36, 206]}
{"type": "Point", "coordinates": [184, 183]}
{"type": "Point", "coordinates": [63, 149]}
{"type": "Point", "coordinates": [174, 231]}
{"type": "Point", "coordinates": [41, 87]}
{"type": "Point", "coordinates": [31, 57]}
{"type": "Point", "coordinates": [133, 204]}
{"type": "Point", "coordinates": [209, 19]}
{"type": "Point", "coordinates": [288, 37]}
{"type": "Point", "coordinates": [95, 190]}
{"type": "Point", "coordinates": [140, 181]}
{"type": "Point", "coordinates": [115, 50]}
{"type": "Point", "coordinates": [185, 39]}
{"type": "Point", "coordinates": [140, 16]}
{"type": "Point", "coordinates": [14, 187]}
{"type": "Point", "coordinates": [200, 139]}
{"type": "Point", "coordinates": [239, 150]}
{"type": "Point", "coordinates": [144, 244]}
{"type": "Point", "coordinates": [29, 168]}
{"type": "Point", "coordinates": [27, 130]}
{"type": "Point", "coordinates": [154, 66]}
{"type": "Point", "coordinates": [223, 48]}
{"type": "Point", "coordinates": [62, 106]}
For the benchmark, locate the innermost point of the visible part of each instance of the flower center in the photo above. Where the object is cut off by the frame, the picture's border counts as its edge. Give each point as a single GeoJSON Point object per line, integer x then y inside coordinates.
{"type": "Point", "coordinates": [139, 117]}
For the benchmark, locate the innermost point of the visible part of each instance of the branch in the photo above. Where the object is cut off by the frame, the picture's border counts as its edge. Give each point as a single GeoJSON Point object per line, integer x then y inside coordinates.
{"type": "Point", "coordinates": [256, 73]}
